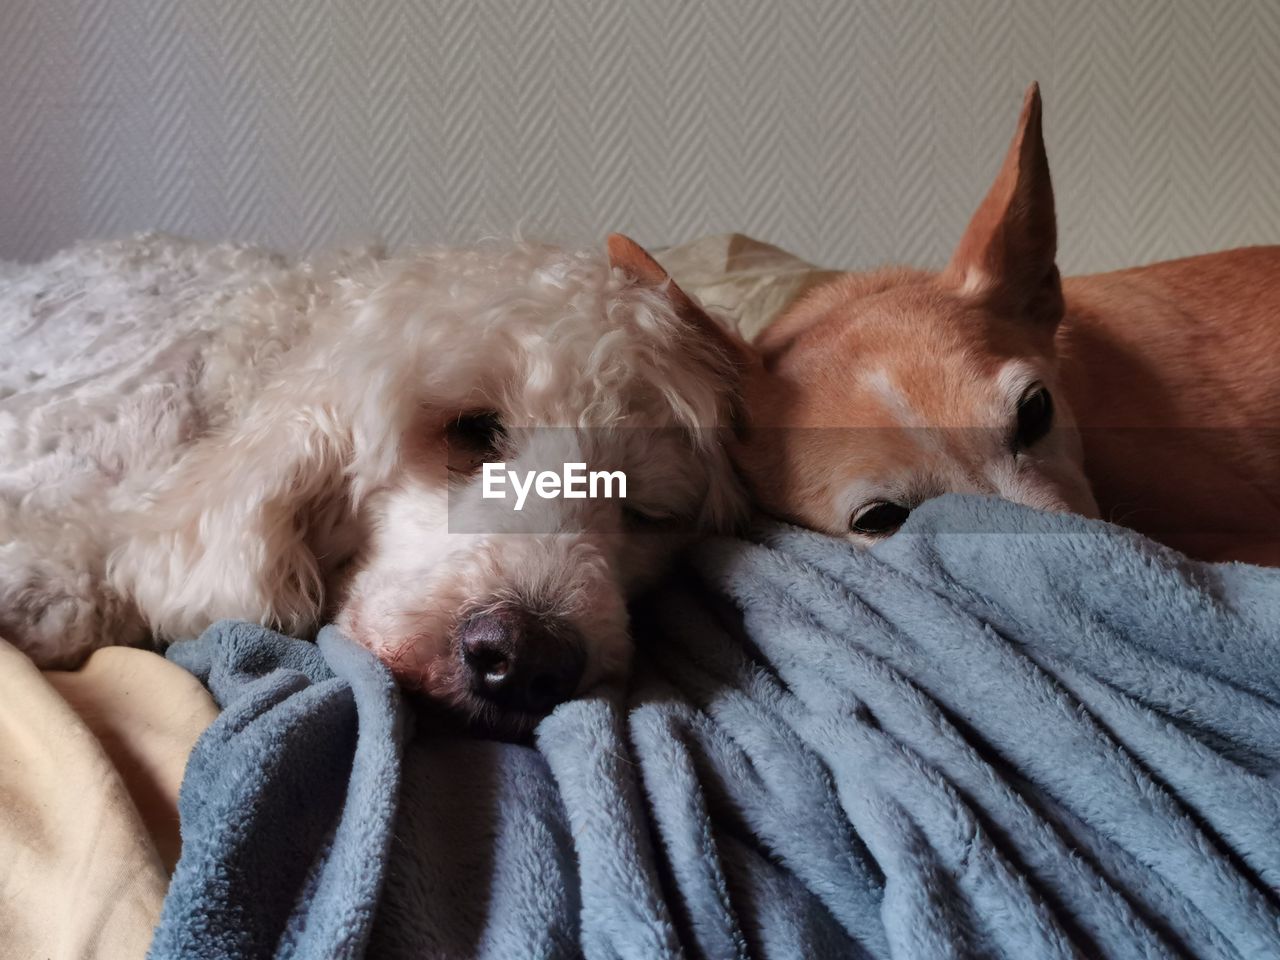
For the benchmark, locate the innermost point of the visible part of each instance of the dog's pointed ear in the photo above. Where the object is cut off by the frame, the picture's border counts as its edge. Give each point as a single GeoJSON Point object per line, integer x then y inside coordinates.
{"type": "Point", "coordinates": [636, 262]}
{"type": "Point", "coordinates": [1007, 254]}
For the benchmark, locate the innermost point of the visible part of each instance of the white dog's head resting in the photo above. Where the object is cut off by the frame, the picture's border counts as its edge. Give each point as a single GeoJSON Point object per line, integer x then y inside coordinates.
{"type": "Point", "coordinates": [349, 488]}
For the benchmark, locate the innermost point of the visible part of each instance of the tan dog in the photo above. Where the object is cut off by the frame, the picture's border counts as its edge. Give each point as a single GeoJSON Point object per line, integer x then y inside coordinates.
{"type": "Point", "coordinates": [1149, 396]}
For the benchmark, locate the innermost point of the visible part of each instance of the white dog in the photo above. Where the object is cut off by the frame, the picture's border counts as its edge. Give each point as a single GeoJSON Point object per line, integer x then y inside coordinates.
{"type": "Point", "coordinates": [190, 432]}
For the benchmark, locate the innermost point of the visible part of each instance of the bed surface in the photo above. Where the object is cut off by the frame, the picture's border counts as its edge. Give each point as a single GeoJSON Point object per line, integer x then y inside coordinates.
{"type": "Point", "coordinates": [1000, 733]}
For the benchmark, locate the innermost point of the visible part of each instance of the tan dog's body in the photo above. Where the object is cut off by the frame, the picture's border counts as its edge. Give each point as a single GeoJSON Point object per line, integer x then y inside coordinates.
{"type": "Point", "coordinates": [882, 390]}
{"type": "Point", "coordinates": [1184, 358]}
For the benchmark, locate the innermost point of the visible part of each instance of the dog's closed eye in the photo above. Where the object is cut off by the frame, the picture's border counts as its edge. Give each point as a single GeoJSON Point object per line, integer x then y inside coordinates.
{"type": "Point", "coordinates": [474, 438]}
{"type": "Point", "coordinates": [648, 520]}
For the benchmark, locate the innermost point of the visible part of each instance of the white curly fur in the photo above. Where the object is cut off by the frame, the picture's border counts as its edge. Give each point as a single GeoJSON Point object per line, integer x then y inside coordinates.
{"type": "Point", "coordinates": [191, 432]}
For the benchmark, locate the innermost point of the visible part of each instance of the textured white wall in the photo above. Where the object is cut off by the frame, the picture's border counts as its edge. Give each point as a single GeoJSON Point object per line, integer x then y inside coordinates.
{"type": "Point", "coordinates": [850, 132]}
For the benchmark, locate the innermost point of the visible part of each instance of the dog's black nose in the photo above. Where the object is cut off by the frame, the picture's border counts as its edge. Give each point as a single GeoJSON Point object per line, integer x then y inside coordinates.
{"type": "Point", "coordinates": [518, 662]}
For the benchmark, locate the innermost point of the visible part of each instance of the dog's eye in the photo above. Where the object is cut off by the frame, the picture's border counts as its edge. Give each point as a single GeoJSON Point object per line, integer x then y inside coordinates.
{"type": "Point", "coordinates": [474, 438]}
{"type": "Point", "coordinates": [1035, 417]}
{"type": "Point", "coordinates": [879, 519]}
{"type": "Point", "coordinates": [645, 520]}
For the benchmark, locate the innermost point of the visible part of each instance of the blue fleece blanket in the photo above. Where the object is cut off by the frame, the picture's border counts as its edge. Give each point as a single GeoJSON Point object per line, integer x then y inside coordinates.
{"type": "Point", "coordinates": [287, 800]}
{"type": "Point", "coordinates": [999, 734]}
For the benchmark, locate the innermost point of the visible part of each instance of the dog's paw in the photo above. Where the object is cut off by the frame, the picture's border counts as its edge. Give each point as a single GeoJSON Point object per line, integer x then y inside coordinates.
{"type": "Point", "coordinates": [58, 617]}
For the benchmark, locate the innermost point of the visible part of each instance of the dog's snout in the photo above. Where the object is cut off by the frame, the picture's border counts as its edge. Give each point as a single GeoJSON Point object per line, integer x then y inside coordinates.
{"type": "Point", "coordinates": [518, 662]}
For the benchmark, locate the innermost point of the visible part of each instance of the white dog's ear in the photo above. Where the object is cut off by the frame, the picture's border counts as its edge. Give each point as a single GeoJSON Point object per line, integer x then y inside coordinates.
{"type": "Point", "coordinates": [229, 532]}
{"type": "Point", "coordinates": [636, 262]}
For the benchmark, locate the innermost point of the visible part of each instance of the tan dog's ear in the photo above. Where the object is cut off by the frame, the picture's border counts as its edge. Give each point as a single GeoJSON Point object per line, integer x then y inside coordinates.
{"type": "Point", "coordinates": [1007, 252]}
{"type": "Point", "coordinates": [635, 261]}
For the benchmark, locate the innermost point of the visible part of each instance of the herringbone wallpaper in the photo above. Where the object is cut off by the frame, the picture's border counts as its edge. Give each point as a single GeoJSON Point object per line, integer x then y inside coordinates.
{"type": "Point", "coordinates": [850, 131]}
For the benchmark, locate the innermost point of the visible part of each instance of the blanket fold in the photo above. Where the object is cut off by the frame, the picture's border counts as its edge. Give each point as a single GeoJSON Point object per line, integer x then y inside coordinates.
{"type": "Point", "coordinates": [998, 734]}
{"type": "Point", "coordinates": [287, 801]}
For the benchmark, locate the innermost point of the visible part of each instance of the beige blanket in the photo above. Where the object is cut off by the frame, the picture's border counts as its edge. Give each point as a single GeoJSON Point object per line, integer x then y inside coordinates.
{"type": "Point", "coordinates": [90, 763]}
{"type": "Point", "coordinates": [748, 281]}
